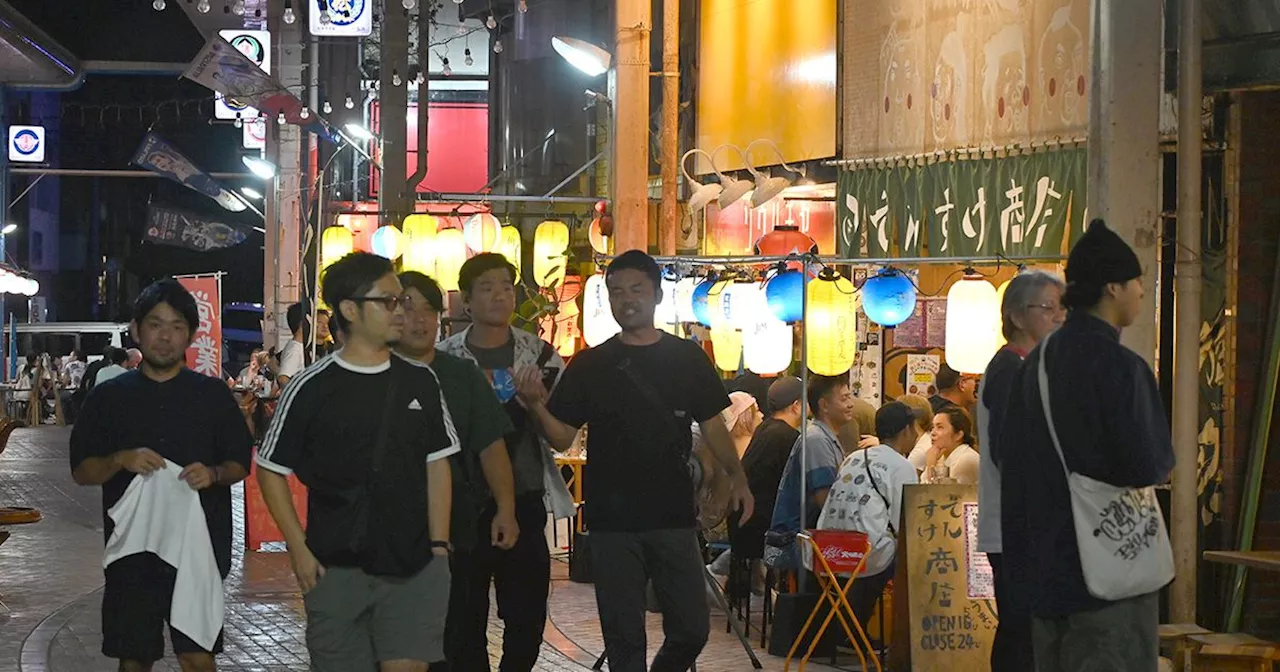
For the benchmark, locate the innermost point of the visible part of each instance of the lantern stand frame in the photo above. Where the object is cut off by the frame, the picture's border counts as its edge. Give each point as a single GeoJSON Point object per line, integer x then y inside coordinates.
{"type": "Point", "coordinates": [807, 259]}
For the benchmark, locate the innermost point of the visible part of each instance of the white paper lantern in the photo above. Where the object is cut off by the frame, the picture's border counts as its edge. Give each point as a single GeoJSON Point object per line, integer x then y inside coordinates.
{"type": "Point", "coordinates": [973, 325]}
{"type": "Point", "coordinates": [744, 303]}
{"type": "Point", "coordinates": [386, 242]}
{"type": "Point", "coordinates": [684, 299]}
{"type": "Point", "coordinates": [483, 233]}
{"type": "Point", "coordinates": [766, 346]}
{"type": "Point", "coordinates": [598, 324]}
{"type": "Point", "coordinates": [33, 286]}
{"type": "Point", "coordinates": [664, 315]}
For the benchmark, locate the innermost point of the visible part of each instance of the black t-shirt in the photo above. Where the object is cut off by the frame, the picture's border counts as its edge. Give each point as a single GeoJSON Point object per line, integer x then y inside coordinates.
{"type": "Point", "coordinates": [186, 419]}
{"type": "Point", "coordinates": [325, 430]}
{"type": "Point", "coordinates": [765, 460]}
{"type": "Point", "coordinates": [523, 444]}
{"type": "Point", "coordinates": [637, 476]}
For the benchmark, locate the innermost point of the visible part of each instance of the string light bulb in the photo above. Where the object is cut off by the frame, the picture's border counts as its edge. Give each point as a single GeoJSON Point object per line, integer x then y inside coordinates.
{"type": "Point", "coordinates": [349, 103]}
{"type": "Point", "coordinates": [158, 5]}
{"type": "Point", "coordinates": [409, 4]}
{"type": "Point", "coordinates": [395, 78]}
{"type": "Point", "coordinates": [203, 6]}
{"type": "Point", "coordinates": [238, 8]}
{"type": "Point", "coordinates": [497, 47]}
{"type": "Point", "coordinates": [280, 119]}
{"type": "Point", "coordinates": [447, 70]}
{"type": "Point", "coordinates": [491, 22]}
{"type": "Point", "coordinates": [523, 6]}
{"type": "Point", "coordinates": [304, 113]}
{"type": "Point", "coordinates": [238, 123]}
{"type": "Point", "coordinates": [469, 60]}
{"type": "Point", "coordinates": [289, 17]}
{"type": "Point", "coordinates": [327, 108]}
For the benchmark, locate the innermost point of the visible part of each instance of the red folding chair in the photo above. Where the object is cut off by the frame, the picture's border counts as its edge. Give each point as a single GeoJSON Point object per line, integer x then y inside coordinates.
{"type": "Point", "coordinates": [830, 554]}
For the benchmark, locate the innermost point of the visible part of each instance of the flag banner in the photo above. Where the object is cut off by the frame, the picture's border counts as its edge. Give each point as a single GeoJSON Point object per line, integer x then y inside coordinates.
{"type": "Point", "coordinates": [159, 156]}
{"type": "Point", "coordinates": [1017, 206]}
{"type": "Point", "coordinates": [205, 353]}
{"type": "Point", "coordinates": [170, 226]}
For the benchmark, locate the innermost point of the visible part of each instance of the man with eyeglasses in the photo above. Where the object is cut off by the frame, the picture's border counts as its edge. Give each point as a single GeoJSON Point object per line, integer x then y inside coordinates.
{"type": "Point", "coordinates": [366, 431]}
{"type": "Point", "coordinates": [484, 498]}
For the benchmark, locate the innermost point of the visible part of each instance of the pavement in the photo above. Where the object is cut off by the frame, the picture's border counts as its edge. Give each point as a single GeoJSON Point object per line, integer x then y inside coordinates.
{"type": "Point", "coordinates": [51, 582]}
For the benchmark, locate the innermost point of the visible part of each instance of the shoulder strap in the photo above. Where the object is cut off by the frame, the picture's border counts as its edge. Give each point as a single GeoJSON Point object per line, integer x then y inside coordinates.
{"type": "Point", "coordinates": [1044, 402]}
{"type": "Point", "coordinates": [545, 355]}
{"type": "Point", "coordinates": [388, 408]}
{"type": "Point", "coordinates": [651, 395]}
{"type": "Point", "coordinates": [866, 464]}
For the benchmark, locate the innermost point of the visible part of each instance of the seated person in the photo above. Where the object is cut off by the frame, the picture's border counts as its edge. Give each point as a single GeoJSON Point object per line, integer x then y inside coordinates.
{"type": "Point", "coordinates": [951, 457]}
{"type": "Point", "coordinates": [867, 498]}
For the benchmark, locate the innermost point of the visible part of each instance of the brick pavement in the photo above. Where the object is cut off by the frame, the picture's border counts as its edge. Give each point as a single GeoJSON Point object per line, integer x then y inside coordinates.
{"type": "Point", "coordinates": [50, 588]}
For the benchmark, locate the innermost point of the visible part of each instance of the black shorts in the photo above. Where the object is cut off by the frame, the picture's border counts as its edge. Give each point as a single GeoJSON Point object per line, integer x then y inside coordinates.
{"type": "Point", "coordinates": [135, 608]}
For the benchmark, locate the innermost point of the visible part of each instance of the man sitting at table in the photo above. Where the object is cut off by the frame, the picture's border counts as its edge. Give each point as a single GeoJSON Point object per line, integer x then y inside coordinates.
{"type": "Point", "coordinates": [867, 498]}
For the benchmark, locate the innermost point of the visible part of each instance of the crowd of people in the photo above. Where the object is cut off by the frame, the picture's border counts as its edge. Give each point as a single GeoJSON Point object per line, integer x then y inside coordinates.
{"type": "Point", "coordinates": [430, 470]}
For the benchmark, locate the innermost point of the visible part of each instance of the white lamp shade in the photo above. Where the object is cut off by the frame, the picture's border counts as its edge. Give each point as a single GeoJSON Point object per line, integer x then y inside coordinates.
{"type": "Point", "coordinates": [386, 242]}
{"type": "Point", "coordinates": [973, 319]}
{"type": "Point", "coordinates": [665, 314]}
{"type": "Point", "coordinates": [766, 346]}
{"type": "Point", "coordinates": [590, 59]}
{"type": "Point", "coordinates": [418, 243]}
{"type": "Point", "coordinates": [598, 324]}
{"type": "Point", "coordinates": [482, 232]}
{"type": "Point", "coordinates": [1000, 340]}
{"type": "Point", "coordinates": [684, 299]}
{"type": "Point", "coordinates": [743, 304]}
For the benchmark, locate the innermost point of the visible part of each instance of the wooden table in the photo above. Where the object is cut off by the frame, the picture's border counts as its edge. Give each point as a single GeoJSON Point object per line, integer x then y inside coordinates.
{"type": "Point", "coordinates": [576, 463]}
{"type": "Point", "coordinates": [1268, 561]}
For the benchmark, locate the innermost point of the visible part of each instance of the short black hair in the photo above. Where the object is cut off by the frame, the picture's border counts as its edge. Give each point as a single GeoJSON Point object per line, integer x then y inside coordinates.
{"type": "Point", "coordinates": [947, 377]}
{"type": "Point", "coordinates": [118, 356]}
{"type": "Point", "coordinates": [294, 317]}
{"type": "Point", "coordinates": [821, 386]}
{"type": "Point", "coordinates": [636, 260]}
{"type": "Point", "coordinates": [480, 264]}
{"type": "Point", "coordinates": [428, 288]}
{"type": "Point", "coordinates": [172, 292]}
{"type": "Point", "coordinates": [1082, 295]}
{"type": "Point", "coordinates": [350, 277]}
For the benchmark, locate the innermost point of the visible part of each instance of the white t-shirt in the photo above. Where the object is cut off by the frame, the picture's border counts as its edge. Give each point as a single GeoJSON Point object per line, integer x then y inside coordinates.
{"type": "Point", "coordinates": [291, 360]}
{"type": "Point", "coordinates": [963, 465]}
{"type": "Point", "coordinates": [857, 502]}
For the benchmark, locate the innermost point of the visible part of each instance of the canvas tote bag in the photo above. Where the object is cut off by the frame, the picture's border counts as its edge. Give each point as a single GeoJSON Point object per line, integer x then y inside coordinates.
{"type": "Point", "coordinates": [1124, 546]}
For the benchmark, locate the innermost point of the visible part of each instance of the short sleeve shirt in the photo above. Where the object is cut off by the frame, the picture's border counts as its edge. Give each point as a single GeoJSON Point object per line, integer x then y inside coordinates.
{"type": "Point", "coordinates": [187, 419]}
{"type": "Point", "coordinates": [867, 498]}
{"type": "Point", "coordinates": [823, 456]}
{"type": "Point", "coordinates": [363, 510]}
{"type": "Point", "coordinates": [639, 402]}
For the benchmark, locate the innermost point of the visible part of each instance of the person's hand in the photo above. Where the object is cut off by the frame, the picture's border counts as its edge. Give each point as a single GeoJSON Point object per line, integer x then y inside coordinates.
{"type": "Point", "coordinates": [306, 568]}
{"type": "Point", "coordinates": [198, 476]}
{"type": "Point", "coordinates": [530, 388]}
{"type": "Point", "coordinates": [140, 460]}
{"type": "Point", "coordinates": [933, 456]}
{"type": "Point", "coordinates": [743, 500]}
{"type": "Point", "coordinates": [504, 530]}
{"type": "Point", "coordinates": [868, 441]}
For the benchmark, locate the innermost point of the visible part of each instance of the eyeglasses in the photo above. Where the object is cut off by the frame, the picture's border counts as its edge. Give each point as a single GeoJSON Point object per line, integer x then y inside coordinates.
{"type": "Point", "coordinates": [388, 302]}
{"type": "Point", "coordinates": [1048, 307]}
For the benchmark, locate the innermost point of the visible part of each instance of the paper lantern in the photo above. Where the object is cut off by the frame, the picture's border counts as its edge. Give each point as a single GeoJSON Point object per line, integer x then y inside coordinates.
{"type": "Point", "coordinates": [664, 317]}
{"type": "Point", "coordinates": [509, 247]}
{"type": "Point", "coordinates": [598, 324]}
{"type": "Point", "coordinates": [973, 319]}
{"type": "Point", "coordinates": [784, 294]}
{"type": "Point", "coordinates": [418, 244]}
{"type": "Point", "coordinates": [550, 240]}
{"type": "Point", "coordinates": [361, 227]}
{"type": "Point", "coordinates": [726, 342]}
{"type": "Point", "coordinates": [702, 299]}
{"type": "Point", "coordinates": [1000, 340]}
{"type": "Point", "coordinates": [451, 254]}
{"type": "Point", "coordinates": [684, 299]}
{"type": "Point", "coordinates": [743, 304]}
{"type": "Point", "coordinates": [386, 242]}
{"type": "Point", "coordinates": [335, 243]}
{"type": "Point", "coordinates": [598, 236]}
{"type": "Point", "coordinates": [784, 240]}
{"type": "Point", "coordinates": [482, 232]}
{"type": "Point", "coordinates": [766, 346]}
{"type": "Point", "coordinates": [889, 297]}
{"type": "Point", "coordinates": [33, 286]}
{"type": "Point", "coordinates": [561, 328]}
{"type": "Point", "coordinates": [832, 324]}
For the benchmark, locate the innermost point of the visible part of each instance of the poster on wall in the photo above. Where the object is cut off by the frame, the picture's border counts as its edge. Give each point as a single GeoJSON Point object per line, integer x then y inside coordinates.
{"type": "Point", "coordinates": [205, 353]}
{"type": "Point", "coordinates": [982, 582]}
{"type": "Point", "coordinates": [922, 374]}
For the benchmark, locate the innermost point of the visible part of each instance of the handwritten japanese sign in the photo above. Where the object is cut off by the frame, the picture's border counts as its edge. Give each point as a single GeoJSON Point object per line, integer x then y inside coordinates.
{"type": "Point", "coordinates": [205, 353]}
{"type": "Point", "coordinates": [1018, 206]}
{"type": "Point", "coordinates": [946, 626]}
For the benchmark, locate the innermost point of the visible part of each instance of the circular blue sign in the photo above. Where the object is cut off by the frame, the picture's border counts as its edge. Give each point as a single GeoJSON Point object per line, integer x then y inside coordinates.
{"type": "Point", "coordinates": [26, 142]}
{"type": "Point", "coordinates": [345, 12]}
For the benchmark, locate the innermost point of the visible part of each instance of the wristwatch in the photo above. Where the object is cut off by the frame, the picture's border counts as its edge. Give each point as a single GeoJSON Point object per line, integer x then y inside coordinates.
{"type": "Point", "coordinates": [448, 547]}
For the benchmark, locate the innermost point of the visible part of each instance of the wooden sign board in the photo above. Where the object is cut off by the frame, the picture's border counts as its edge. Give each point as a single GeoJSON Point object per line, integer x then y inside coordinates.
{"type": "Point", "coordinates": [943, 592]}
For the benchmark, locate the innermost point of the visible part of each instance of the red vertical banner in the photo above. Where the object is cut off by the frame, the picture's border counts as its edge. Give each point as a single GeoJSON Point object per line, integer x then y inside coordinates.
{"type": "Point", "coordinates": [205, 354]}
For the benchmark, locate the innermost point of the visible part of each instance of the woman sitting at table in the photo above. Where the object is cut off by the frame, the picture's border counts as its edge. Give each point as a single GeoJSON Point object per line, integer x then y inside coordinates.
{"type": "Point", "coordinates": [952, 458]}
{"type": "Point", "coordinates": [255, 377]}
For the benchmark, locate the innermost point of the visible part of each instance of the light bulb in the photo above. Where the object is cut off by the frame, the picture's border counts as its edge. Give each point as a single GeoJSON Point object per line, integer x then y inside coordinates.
{"type": "Point", "coordinates": [289, 17]}
{"type": "Point", "coordinates": [490, 22]}
{"type": "Point", "coordinates": [447, 70]}
{"type": "Point", "coordinates": [158, 5]}
{"type": "Point", "coordinates": [324, 17]}
{"type": "Point", "coordinates": [458, 2]}
{"type": "Point", "coordinates": [203, 6]}
{"type": "Point", "coordinates": [304, 113]}
{"type": "Point", "coordinates": [238, 8]}
{"type": "Point", "coordinates": [421, 78]}
{"type": "Point", "coordinates": [349, 103]}
{"type": "Point", "coordinates": [395, 78]}
{"type": "Point", "coordinates": [280, 119]}
{"type": "Point", "coordinates": [327, 107]}
{"type": "Point", "coordinates": [238, 123]}
{"type": "Point", "coordinates": [469, 60]}
{"type": "Point", "coordinates": [497, 47]}
{"type": "Point", "coordinates": [523, 6]}
{"type": "Point", "coordinates": [409, 4]}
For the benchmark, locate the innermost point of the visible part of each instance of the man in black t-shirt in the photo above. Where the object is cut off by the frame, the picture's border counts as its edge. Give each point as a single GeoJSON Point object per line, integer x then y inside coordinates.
{"type": "Point", "coordinates": [766, 458]}
{"type": "Point", "coordinates": [137, 424]}
{"type": "Point", "coordinates": [639, 391]}
{"type": "Point", "coordinates": [366, 431]}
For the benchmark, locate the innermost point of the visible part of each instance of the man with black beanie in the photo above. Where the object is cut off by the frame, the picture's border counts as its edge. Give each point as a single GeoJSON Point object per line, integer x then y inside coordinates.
{"type": "Point", "coordinates": [1112, 427]}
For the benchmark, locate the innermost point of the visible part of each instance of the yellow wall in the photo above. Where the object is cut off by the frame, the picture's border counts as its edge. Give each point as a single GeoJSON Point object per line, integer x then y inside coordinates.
{"type": "Point", "coordinates": [767, 69]}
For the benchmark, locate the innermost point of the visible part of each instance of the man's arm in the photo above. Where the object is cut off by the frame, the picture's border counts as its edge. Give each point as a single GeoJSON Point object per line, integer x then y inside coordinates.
{"type": "Point", "coordinates": [496, 465]}
{"type": "Point", "coordinates": [558, 434]}
{"type": "Point", "coordinates": [279, 500]}
{"type": "Point", "coordinates": [439, 501]}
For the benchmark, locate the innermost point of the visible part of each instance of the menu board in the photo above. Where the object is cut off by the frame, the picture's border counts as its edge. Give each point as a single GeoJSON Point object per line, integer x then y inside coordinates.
{"type": "Point", "coordinates": [947, 612]}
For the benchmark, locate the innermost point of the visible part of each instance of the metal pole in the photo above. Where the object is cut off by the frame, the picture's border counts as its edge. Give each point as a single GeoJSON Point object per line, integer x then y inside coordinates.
{"type": "Point", "coordinates": [4, 167]}
{"type": "Point", "coordinates": [804, 395]}
{"type": "Point", "coordinates": [1188, 278]}
{"type": "Point", "coordinates": [112, 172]}
{"type": "Point", "coordinates": [630, 159]}
{"type": "Point", "coordinates": [669, 219]}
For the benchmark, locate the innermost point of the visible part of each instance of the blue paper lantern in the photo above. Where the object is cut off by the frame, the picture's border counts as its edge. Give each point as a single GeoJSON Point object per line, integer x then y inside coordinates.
{"type": "Point", "coordinates": [701, 301]}
{"type": "Point", "coordinates": [785, 295]}
{"type": "Point", "coordinates": [889, 298]}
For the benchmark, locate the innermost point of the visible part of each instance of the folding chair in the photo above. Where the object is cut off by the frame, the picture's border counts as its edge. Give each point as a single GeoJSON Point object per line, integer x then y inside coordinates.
{"type": "Point", "coordinates": [829, 554]}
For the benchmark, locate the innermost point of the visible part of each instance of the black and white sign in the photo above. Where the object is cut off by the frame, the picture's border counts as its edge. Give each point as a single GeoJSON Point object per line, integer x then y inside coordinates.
{"type": "Point", "coordinates": [341, 18]}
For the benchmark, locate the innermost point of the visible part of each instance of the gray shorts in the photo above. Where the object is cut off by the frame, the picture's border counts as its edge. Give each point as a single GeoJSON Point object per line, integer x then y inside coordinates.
{"type": "Point", "coordinates": [1121, 637]}
{"type": "Point", "coordinates": [355, 621]}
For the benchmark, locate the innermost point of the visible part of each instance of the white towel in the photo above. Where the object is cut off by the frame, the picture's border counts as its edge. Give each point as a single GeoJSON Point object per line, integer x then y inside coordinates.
{"type": "Point", "coordinates": [161, 514]}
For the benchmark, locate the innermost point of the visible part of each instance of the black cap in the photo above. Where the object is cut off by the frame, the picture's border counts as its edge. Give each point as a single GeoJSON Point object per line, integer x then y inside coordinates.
{"type": "Point", "coordinates": [783, 392]}
{"type": "Point", "coordinates": [1101, 257]}
{"type": "Point", "coordinates": [892, 418]}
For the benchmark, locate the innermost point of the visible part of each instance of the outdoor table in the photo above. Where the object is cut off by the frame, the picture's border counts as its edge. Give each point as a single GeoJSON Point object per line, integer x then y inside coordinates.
{"type": "Point", "coordinates": [1268, 561]}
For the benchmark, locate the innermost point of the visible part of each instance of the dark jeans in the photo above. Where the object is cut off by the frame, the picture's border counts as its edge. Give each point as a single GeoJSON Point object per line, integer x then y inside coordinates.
{"type": "Point", "coordinates": [866, 591]}
{"type": "Point", "coordinates": [625, 562]}
{"type": "Point", "coordinates": [521, 578]}
{"type": "Point", "coordinates": [1012, 650]}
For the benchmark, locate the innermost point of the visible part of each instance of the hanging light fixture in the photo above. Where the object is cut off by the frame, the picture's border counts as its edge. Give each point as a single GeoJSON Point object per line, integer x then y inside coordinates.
{"type": "Point", "coordinates": [509, 246]}
{"type": "Point", "coordinates": [586, 57]}
{"type": "Point", "coordinates": [832, 324]}
{"type": "Point", "coordinates": [702, 194]}
{"type": "Point", "coordinates": [973, 318]}
{"type": "Point", "coordinates": [561, 328]}
{"type": "Point", "coordinates": [768, 188]}
{"type": "Point", "coordinates": [744, 303]}
{"type": "Point", "coordinates": [684, 299]}
{"type": "Point", "coordinates": [386, 242]}
{"type": "Point", "coordinates": [598, 324]}
{"type": "Point", "coordinates": [482, 231]}
{"type": "Point", "coordinates": [451, 253]}
{"type": "Point", "coordinates": [550, 240]}
{"type": "Point", "coordinates": [335, 243]}
{"type": "Point", "coordinates": [419, 243]}
{"type": "Point", "coordinates": [767, 346]}
{"type": "Point", "coordinates": [785, 239]}
{"type": "Point", "coordinates": [784, 295]}
{"type": "Point", "coordinates": [733, 188]}
{"type": "Point", "coordinates": [889, 297]}
{"type": "Point", "coordinates": [664, 317]}
{"type": "Point", "coordinates": [726, 341]}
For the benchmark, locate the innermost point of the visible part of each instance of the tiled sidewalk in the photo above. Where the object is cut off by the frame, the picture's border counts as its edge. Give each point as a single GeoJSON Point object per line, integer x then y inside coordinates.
{"type": "Point", "coordinates": [50, 586]}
